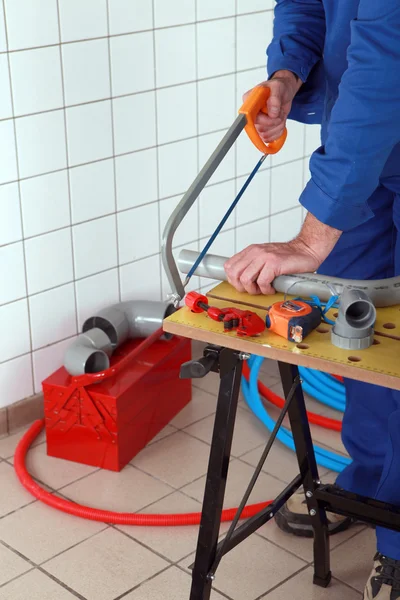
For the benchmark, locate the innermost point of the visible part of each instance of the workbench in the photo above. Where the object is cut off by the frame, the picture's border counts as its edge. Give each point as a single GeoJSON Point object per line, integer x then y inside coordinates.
{"type": "Point", "coordinates": [224, 353]}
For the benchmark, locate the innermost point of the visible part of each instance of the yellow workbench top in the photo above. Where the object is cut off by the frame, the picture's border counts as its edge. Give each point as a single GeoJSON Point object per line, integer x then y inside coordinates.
{"type": "Point", "coordinates": [379, 364]}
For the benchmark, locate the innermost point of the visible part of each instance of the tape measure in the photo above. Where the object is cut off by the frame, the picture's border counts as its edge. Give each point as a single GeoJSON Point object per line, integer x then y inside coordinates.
{"type": "Point", "coordinates": [293, 319]}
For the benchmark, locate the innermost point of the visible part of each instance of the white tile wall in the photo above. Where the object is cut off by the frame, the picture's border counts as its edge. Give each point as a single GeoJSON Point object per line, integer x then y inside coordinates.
{"type": "Point", "coordinates": [108, 110]}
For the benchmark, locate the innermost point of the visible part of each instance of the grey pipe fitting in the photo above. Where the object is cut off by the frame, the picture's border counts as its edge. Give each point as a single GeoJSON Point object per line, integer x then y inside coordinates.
{"type": "Point", "coordinates": [110, 328]}
{"type": "Point", "coordinates": [354, 326]}
{"type": "Point", "coordinates": [89, 353]}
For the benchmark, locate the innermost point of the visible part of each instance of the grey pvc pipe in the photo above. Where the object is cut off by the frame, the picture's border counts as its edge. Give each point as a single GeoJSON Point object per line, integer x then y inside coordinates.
{"type": "Point", "coordinates": [382, 292]}
{"type": "Point", "coordinates": [111, 327]}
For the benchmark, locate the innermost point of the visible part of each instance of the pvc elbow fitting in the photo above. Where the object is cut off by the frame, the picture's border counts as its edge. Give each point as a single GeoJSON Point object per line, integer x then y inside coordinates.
{"type": "Point", "coordinates": [354, 326]}
{"type": "Point", "coordinates": [89, 353]}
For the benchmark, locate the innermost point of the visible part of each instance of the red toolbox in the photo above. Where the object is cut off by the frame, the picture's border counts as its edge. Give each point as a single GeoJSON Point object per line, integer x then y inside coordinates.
{"type": "Point", "coordinates": [106, 423]}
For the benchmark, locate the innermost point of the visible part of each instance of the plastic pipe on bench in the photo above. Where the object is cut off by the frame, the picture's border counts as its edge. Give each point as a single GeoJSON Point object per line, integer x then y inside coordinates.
{"type": "Point", "coordinates": [382, 292]}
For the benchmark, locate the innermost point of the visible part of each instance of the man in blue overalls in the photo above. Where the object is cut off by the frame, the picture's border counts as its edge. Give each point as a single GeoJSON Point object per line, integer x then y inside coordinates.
{"type": "Point", "coordinates": [337, 63]}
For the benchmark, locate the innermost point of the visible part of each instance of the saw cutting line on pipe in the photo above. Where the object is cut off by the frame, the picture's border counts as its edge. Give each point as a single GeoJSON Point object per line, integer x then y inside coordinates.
{"type": "Point", "coordinates": [383, 292]}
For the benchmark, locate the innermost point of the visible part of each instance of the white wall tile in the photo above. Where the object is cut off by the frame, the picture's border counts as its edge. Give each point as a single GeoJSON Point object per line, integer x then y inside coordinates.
{"type": "Point", "coordinates": [89, 132]}
{"type": "Point", "coordinates": [12, 273]}
{"type": "Point", "coordinates": [175, 55]}
{"type": "Point", "coordinates": [285, 226]}
{"type": "Point", "coordinates": [306, 171]}
{"type": "Point", "coordinates": [49, 260]}
{"type": "Point", "coordinates": [130, 15]}
{"type": "Point", "coordinates": [41, 143]}
{"type": "Point", "coordinates": [136, 283]}
{"type": "Point", "coordinates": [3, 39]}
{"type": "Point", "coordinates": [10, 220]}
{"type": "Point", "coordinates": [47, 360]}
{"type": "Point", "coordinates": [293, 147]}
{"type": "Point", "coordinates": [246, 80]}
{"type": "Point", "coordinates": [31, 24]}
{"type": "Point", "coordinates": [53, 315]}
{"type": "Point", "coordinates": [254, 34]}
{"type": "Point", "coordinates": [14, 325]}
{"type": "Point", "coordinates": [15, 380]}
{"type": "Point", "coordinates": [215, 58]}
{"type": "Point", "coordinates": [217, 107]}
{"type": "Point", "coordinates": [8, 156]}
{"type": "Point", "coordinates": [136, 176]}
{"type": "Point", "coordinates": [36, 80]}
{"type": "Point", "coordinates": [138, 233]}
{"type": "Point", "coordinates": [247, 6]}
{"type": "Point", "coordinates": [252, 233]}
{"type": "Point", "coordinates": [214, 201]}
{"type": "Point", "coordinates": [177, 167]}
{"type": "Point", "coordinates": [207, 144]}
{"type": "Point", "coordinates": [286, 186]}
{"type": "Point", "coordinates": [5, 97]}
{"type": "Point", "coordinates": [134, 122]}
{"type": "Point", "coordinates": [95, 246]}
{"type": "Point", "coordinates": [86, 71]}
{"type": "Point", "coordinates": [95, 293]}
{"type": "Point", "coordinates": [132, 63]}
{"type": "Point", "coordinates": [45, 203]}
{"type": "Point", "coordinates": [209, 9]}
{"type": "Point", "coordinates": [82, 20]}
{"type": "Point", "coordinates": [188, 230]}
{"type": "Point", "coordinates": [92, 190]}
{"type": "Point", "coordinates": [248, 156]}
{"type": "Point", "coordinates": [194, 283]}
{"type": "Point", "coordinates": [313, 138]}
{"type": "Point", "coordinates": [254, 204]}
{"type": "Point", "coordinates": [173, 13]}
{"type": "Point", "coordinates": [176, 113]}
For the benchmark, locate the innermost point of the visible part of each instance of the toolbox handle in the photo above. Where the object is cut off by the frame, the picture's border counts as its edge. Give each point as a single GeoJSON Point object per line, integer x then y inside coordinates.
{"type": "Point", "coordinates": [256, 102]}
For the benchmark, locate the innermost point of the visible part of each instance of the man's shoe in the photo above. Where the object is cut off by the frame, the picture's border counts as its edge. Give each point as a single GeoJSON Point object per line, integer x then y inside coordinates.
{"type": "Point", "coordinates": [384, 582]}
{"type": "Point", "coordinates": [294, 518]}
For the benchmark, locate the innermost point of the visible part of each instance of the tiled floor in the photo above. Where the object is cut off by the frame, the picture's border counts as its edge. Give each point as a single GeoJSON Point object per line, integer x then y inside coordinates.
{"type": "Point", "coordinates": [47, 555]}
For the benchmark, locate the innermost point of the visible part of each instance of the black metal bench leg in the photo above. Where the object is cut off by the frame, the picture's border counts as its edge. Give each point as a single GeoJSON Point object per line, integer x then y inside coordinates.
{"type": "Point", "coordinates": [309, 471]}
{"type": "Point", "coordinates": [230, 368]}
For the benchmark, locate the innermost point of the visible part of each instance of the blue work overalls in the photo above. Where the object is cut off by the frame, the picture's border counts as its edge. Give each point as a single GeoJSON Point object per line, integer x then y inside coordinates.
{"type": "Point", "coordinates": [347, 53]}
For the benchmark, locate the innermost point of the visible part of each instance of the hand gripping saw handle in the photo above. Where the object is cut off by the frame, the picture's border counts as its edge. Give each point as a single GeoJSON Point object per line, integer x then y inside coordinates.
{"type": "Point", "coordinates": [255, 102]}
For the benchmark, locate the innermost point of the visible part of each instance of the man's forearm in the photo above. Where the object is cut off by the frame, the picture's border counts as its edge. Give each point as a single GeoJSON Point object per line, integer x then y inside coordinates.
{"type": "Point", "coordinates": [318, 238]}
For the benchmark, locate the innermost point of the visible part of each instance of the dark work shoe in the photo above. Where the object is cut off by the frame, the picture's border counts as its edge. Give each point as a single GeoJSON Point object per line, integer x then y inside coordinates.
{"type": "Point", "coordinates": [384, 582]}
{"type": "Point", "coordinates": [294, 518]}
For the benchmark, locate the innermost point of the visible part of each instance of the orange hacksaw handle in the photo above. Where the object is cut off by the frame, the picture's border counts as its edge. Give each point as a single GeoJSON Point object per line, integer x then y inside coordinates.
{"type": "Point", "coordinates": [256, 102]}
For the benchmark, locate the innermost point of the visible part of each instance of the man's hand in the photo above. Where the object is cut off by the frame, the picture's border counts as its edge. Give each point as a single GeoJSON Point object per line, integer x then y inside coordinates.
{"type": "Point", "coordinates": [253, 269]}
{"type": "Point", "coordinates": [284, 85]}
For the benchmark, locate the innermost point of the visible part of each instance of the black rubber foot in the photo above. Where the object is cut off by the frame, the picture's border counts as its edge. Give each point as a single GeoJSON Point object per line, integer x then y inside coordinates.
{"type": "Point", "coordinates": [322, 582]}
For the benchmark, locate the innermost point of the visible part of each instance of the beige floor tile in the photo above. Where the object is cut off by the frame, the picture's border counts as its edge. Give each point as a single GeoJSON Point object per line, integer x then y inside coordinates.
{"type": "Point", "coordinates": [209, 383]}
{"type": "Point", "coordinates": [9, 443]}
{"type": "Point", "coordinates": [352, 562]}
{"type": "Point", "coordinates": [269, 368]}
{"type": "Point", "coordinates": [126, 491]}
{"type": "Point", "coordinates": [54, 472]}
{"type": "Point", "coordinates": [303, 547]}
{"type": "Point", "coordinates": [281, 462]}
{"type": "Point", "coordinates": [105, 566]}
{"type": "Point", "coordinates": [13, 495]}
{"type": "Point", "coordinates": [172, 584]}
{"type": "Point", "coordinates": [40, 532]}
{"type": "Point", "coordinates": [35, 586]}
{"type": "Point", "coordinates": [252, 568]}
{"type": "Point", "coordinates": [174, 543]}
{"type": "Point", "coordinates": [239, 476]}
{"type": "Point", "coordinates": [11, 565]}
{"type": "Point", "coordinates": [201, 405]}
{"type": "Point", "coordinates": [165, 432]}
{"type": "Point", "coordinates": [248, 434]}
{"type": "Point", "coordinates": [301, 587]}
{"type": "Point", "coordinates": [176, 460]}
{"type": "Point", "coordinates": [328, 438]}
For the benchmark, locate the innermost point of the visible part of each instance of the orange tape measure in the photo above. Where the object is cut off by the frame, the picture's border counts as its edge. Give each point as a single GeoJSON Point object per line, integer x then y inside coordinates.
{"type": "Point", "coordinates": [292, 319]}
